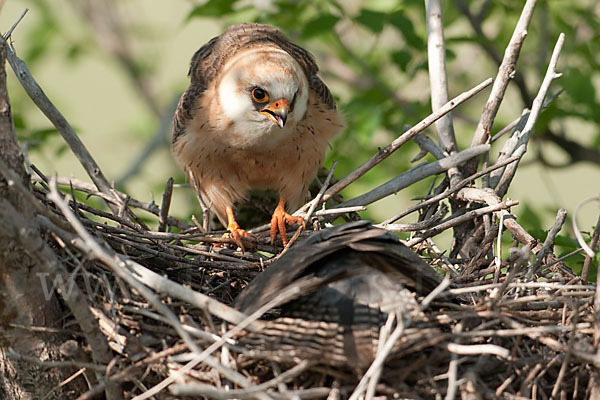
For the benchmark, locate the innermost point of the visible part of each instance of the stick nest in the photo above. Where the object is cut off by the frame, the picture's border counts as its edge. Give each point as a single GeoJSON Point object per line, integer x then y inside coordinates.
{"type": "Point", "coordinates": [520, 327]}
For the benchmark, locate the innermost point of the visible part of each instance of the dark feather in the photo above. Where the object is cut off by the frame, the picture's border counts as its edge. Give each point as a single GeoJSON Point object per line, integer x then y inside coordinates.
{"type": "Point", "coordinates": [352, 276]}
{"type": "Point", "coordinates": [336, 252]}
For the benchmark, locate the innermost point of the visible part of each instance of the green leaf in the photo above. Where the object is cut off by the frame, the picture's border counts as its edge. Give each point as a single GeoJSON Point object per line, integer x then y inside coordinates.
{"type": "Point", "coordinates": [212, 8]}
{"type": "Point", "coordinates": [580, 87]}
{"type": "Point", "coordinates": [374, 20]}
{"type": "Point", "coordinates": [406, 27]}
{"type": "Point", "coordinates": [320, 25]}
{"type": "Point", "coordinates": [401, 58]}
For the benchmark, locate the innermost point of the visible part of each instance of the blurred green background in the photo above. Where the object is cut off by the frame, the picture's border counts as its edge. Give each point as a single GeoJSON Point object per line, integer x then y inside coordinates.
{"type": "Point", "coordinates": [116, 68]}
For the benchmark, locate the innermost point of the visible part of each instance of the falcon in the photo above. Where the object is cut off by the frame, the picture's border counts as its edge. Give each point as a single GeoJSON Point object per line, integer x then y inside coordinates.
{"type": "Point", "coordinates": [255, 116]}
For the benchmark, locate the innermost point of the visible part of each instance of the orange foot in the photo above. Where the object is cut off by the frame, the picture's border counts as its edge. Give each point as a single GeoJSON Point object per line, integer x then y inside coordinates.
{"type": "Point", "coordinates": [279, 219]}
{"type": "Point", "coordinates": [235, 232]}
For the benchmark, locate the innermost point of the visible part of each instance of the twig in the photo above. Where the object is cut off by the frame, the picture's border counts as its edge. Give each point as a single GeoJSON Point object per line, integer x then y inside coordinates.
{"type": "Point", "coordinates": [13, 225]}
{"type": "Point", "coordinates": [426, 144]}
{"type": "Point", "coordinates": [486, 43]}
{"type": "Point", "coordinates": [118, 265]}
{"type": "Point", "coordinates": [12, 28]}
{"type": "Point", "coordinates": [38, 96]}
{"type": "Point", "coordinates": [453, 366]}
{"type": "Point", "coordinates": [435, 292]}
{"type": "Point", "coordinates": [206, 390]}
{"type": "Point", "coordinates": [164, 208]}
{"type": "Point", "coordinates": [588, 260]}
{"type": "Point", "coordinates": [122, 267]}
{"type": "Point", "coordinates": [518, 232]}
{"type": "Point", "coordinates": [521, 256]}
{"type": "Point", "coordinates": [319, 197]}
{"type": "Point", "coordinates": [402, 139]}
{"type": "Point", "coordinates": [457, 220]}
{"type": "Point", "coordinates": [478, 349]}
{"type": "Point", "coordinates": [211, 392]}
{"type": "Point", "coordinates": [416, 174]}
{"type": "Point", "coordinates": [523, 118]}
{"type": "Point", "coordinates": [315, 203]}
{"type": "Point", "coordinates": [567, 359]}
{"type": "Point", "coordinates": [449, 192]}
{"type": "Point", "coordinates": [203, 205]}
{"type": "Point", "coordinates": [438, 80]}
{"type": "Point", "coordinates": [55, 364]}
{"type": "Point", "coordinates": [379, 359]}
{"type": "Point", "coordinates": [505, 73]}
{"type": "Point", "coordinates": [538, 102]}
{"type": "Point", "coordinates": [417, 226]}
{"type": "Point", "coordinates": [588, 251]}
{"type": "Point", "coordinates": [91, 190]}
{"type": "Point", "coordinates": [168, 287]}
{"type": "Point", "coordinates": [291, 292]}
{"type": "Point", "coordinates": [548, 243]}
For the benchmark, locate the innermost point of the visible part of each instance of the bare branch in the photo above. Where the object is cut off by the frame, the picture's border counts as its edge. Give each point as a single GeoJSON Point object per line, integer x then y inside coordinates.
{"type": "Point", "coordinates": [486, 44]}
{"type": "Point", "coordinates": [449, 192]}
{"type": "Point", "coordinates": [538, 102]}
{"type": "Point", "coordinates": [548, 245]}
{"type": "Point", "coordinates": [416, 174]}
{"type": "Point", "coordinates": [402, 139]}
{"type": "Point", "coordinates": [438, 80]}
{"type": "Point", "coordinates": [505, 73]}
{"type": "Point", "coordinates": [588, 250]}
{"type": "Point", "coordinates": [164, 208]}
{"type": "Point", "coordinates": [588, 260]}
{"type": "Point", "coordinates": [38, 96]}
{"type": "Point", "coordinates": [457, 220]}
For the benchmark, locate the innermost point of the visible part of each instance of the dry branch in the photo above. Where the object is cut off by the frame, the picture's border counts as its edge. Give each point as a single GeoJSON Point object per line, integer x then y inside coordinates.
{"type": "Point", "coordinates": [522, 138]}
{"type": "Point", "coordinates": [402, 139]}
{"type": "Point", "coordinates": [505, 74]}
{"type": "Point", "coordinates": [416, 174]}
{"type": "Point", "coordinates": [38, 96]}
{"type": "Point", "coordinates": [438, 81]}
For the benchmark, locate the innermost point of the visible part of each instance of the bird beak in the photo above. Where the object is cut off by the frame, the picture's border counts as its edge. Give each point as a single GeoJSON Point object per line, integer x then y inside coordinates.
{"type": "Point", "coordinates": [277, 111]}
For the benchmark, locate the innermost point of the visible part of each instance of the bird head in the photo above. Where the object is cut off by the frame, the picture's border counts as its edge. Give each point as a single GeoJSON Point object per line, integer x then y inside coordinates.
{"type": "Point", "coordinates": [262, 91]}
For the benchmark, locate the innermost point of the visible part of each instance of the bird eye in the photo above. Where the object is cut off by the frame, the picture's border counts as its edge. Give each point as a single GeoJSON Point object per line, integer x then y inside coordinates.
{"type": "Point", "coordinates": [259, 95]}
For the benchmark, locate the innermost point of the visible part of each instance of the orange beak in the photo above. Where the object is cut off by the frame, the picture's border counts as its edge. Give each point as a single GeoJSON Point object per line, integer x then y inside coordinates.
{"type": "Point", "coordinates": [277, 111]}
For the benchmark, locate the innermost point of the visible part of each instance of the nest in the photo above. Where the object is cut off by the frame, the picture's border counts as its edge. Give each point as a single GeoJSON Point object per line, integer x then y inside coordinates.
{"type": "Point", "coordinates": [522, 327]}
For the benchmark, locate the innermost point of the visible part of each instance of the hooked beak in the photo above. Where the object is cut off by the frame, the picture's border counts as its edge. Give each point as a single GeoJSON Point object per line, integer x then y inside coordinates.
{"type": "Point", "coordinates": [277, 111]}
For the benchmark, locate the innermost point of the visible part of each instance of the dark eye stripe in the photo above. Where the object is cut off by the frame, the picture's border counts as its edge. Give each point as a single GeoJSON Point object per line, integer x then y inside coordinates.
{"type": "Point", "coordinates": [293, 103]}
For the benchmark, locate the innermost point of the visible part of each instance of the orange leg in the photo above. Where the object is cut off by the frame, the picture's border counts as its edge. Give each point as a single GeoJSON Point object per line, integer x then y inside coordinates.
{"type": "Point", "coordinates": [235, 232]}
{"type": "Point", "coordinates": [279, 219]}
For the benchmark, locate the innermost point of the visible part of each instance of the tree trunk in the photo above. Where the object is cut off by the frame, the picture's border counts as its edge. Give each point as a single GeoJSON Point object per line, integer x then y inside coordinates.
{"type": "Point", "coordinates": [23, 303]}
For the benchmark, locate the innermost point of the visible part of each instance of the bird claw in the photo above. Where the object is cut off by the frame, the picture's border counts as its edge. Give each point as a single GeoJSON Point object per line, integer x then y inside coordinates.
{"type": "Point", "coordinates": [278, 221]}
{"type": "Point", "coordinates": [237, 234]}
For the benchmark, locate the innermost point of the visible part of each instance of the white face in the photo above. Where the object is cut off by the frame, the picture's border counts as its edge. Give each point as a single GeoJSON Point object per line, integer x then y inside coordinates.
{"type": "Point", "coordinates": [279, 76]}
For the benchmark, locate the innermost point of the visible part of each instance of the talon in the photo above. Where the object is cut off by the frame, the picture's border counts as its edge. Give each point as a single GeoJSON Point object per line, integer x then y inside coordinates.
{"type": "Point", "coordinates": [235, 232]}
{"type": "Point", "coordinates": [278, 221]}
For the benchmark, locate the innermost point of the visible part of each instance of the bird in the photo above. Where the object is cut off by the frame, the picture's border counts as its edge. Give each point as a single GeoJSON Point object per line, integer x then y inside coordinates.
{"type": "Point", "coordinates": [334, 291]}
{"type": "Point", "coordinates": [255, 116]}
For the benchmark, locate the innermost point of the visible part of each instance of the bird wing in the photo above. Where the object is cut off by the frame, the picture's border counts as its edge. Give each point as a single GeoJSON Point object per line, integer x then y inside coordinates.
{"type": "Point", "coordinates": [319, 260]}
{"type": "Point", "coordinates": [208, 61]}
{"type": "Point", "coordinates": [343, 282]}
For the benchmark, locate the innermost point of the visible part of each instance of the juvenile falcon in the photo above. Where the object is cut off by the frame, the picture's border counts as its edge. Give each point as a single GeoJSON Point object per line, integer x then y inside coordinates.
{"type": "Point", "coordinates": [255, 116]}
